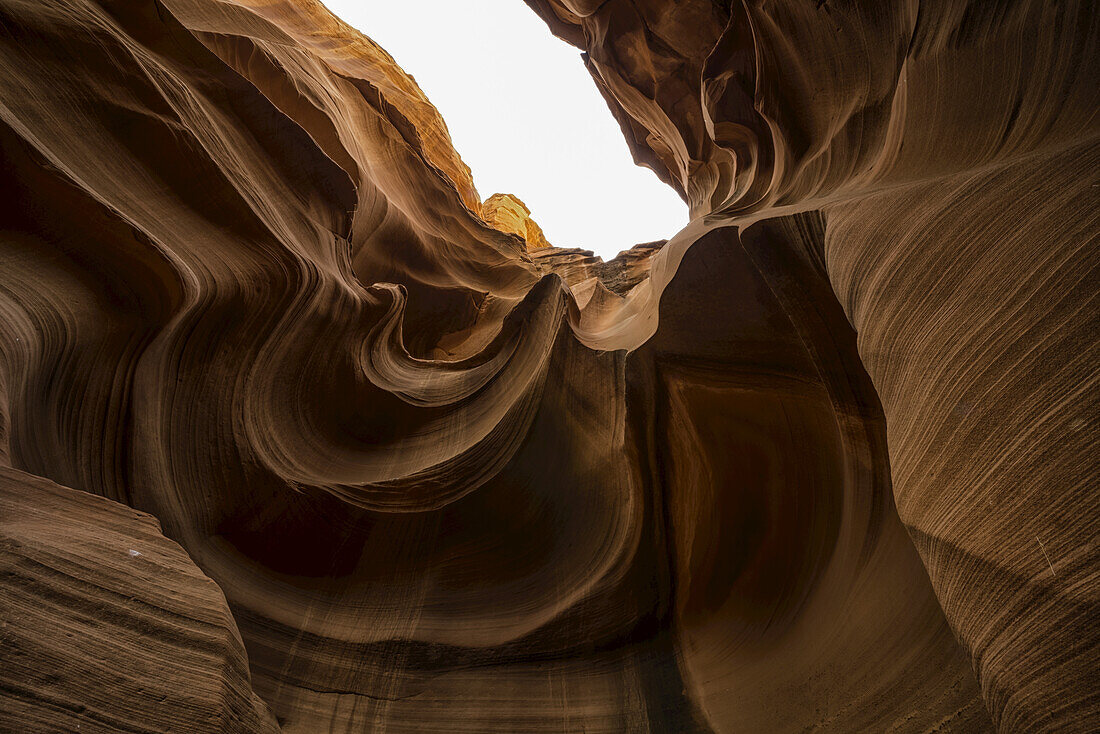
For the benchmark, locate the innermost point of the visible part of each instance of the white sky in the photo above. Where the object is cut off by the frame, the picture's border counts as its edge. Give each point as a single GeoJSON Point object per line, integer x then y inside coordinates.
{"type": "Point", "coordinates": [525, 116]}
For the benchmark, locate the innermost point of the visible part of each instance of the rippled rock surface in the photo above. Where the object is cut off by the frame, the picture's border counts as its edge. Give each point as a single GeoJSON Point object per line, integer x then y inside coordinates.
{"type": "Point", "coordinates": [824, 461]}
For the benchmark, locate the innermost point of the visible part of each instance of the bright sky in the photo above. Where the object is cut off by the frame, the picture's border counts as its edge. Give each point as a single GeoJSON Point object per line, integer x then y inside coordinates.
{"type": "Point", "coordinates": [524, 114]}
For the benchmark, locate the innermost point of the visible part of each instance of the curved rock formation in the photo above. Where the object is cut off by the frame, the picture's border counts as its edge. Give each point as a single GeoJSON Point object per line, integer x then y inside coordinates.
{"type": "Point", "coordinates": [825, 460]}
{"type": "Point", "coordinates": [106, 625]}
{"type": "Point", "coordinates": [946, 147]}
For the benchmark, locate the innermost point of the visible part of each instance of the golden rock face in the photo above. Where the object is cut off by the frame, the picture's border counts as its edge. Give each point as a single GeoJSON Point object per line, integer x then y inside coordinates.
{"type": "Point", "coordinates": [508, 214]}
{"type": "Point", "coordinates": [296, 433]}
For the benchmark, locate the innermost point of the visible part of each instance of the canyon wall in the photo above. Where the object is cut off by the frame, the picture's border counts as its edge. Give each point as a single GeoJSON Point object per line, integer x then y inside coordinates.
{"type": "Point", "coordinates": [370, 454]}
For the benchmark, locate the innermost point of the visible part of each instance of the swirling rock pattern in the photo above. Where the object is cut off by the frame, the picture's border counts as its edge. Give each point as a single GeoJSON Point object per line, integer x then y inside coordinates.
{"type": "Point", "coordinates": [825, 460]}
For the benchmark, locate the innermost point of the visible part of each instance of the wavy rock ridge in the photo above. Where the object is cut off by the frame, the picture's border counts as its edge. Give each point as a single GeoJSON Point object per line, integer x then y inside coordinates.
{"type": "Point", "coordinates": [826, 460]}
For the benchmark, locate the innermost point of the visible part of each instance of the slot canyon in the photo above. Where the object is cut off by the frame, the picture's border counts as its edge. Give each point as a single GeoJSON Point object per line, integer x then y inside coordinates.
{"type": "Point", "coordinates": [300, 433]}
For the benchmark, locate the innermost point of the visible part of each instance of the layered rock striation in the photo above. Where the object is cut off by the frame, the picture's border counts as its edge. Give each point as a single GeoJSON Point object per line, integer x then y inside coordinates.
{"type": "Point", "coordinates": [825, 460]}
{"type": "Point", "coordinates": [108, 625]}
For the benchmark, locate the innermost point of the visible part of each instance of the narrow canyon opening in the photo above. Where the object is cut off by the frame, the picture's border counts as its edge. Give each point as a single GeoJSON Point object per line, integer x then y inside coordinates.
{"type": "Point", "coordinates": [523, 113]}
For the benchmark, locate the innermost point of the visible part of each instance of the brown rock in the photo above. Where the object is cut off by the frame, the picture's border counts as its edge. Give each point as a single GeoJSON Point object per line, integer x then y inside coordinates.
{"type": "Point", "coordinates": [822, 461]}
{"type": "Point", "coordinates": [106, 625]}
{"type": "Point", "coordinates": [956, 232]}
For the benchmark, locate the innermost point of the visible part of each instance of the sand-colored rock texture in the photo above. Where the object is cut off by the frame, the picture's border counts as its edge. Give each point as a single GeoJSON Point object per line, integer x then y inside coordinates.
{"type": "Point", "coordinates": [298, 434]}
{"type": "Point", "coordinates": [508, 214]}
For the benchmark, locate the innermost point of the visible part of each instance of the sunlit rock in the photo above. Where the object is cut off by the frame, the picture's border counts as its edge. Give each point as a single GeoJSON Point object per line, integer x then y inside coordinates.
{"type": "Point", "coordinates": [508, 214]}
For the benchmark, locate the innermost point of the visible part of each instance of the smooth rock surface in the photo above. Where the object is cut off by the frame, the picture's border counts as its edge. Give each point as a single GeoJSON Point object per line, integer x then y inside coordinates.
{"type": "Point", "coordinates": [949, 150]}
{"type": "Point", "coordinates": [823, 461]}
